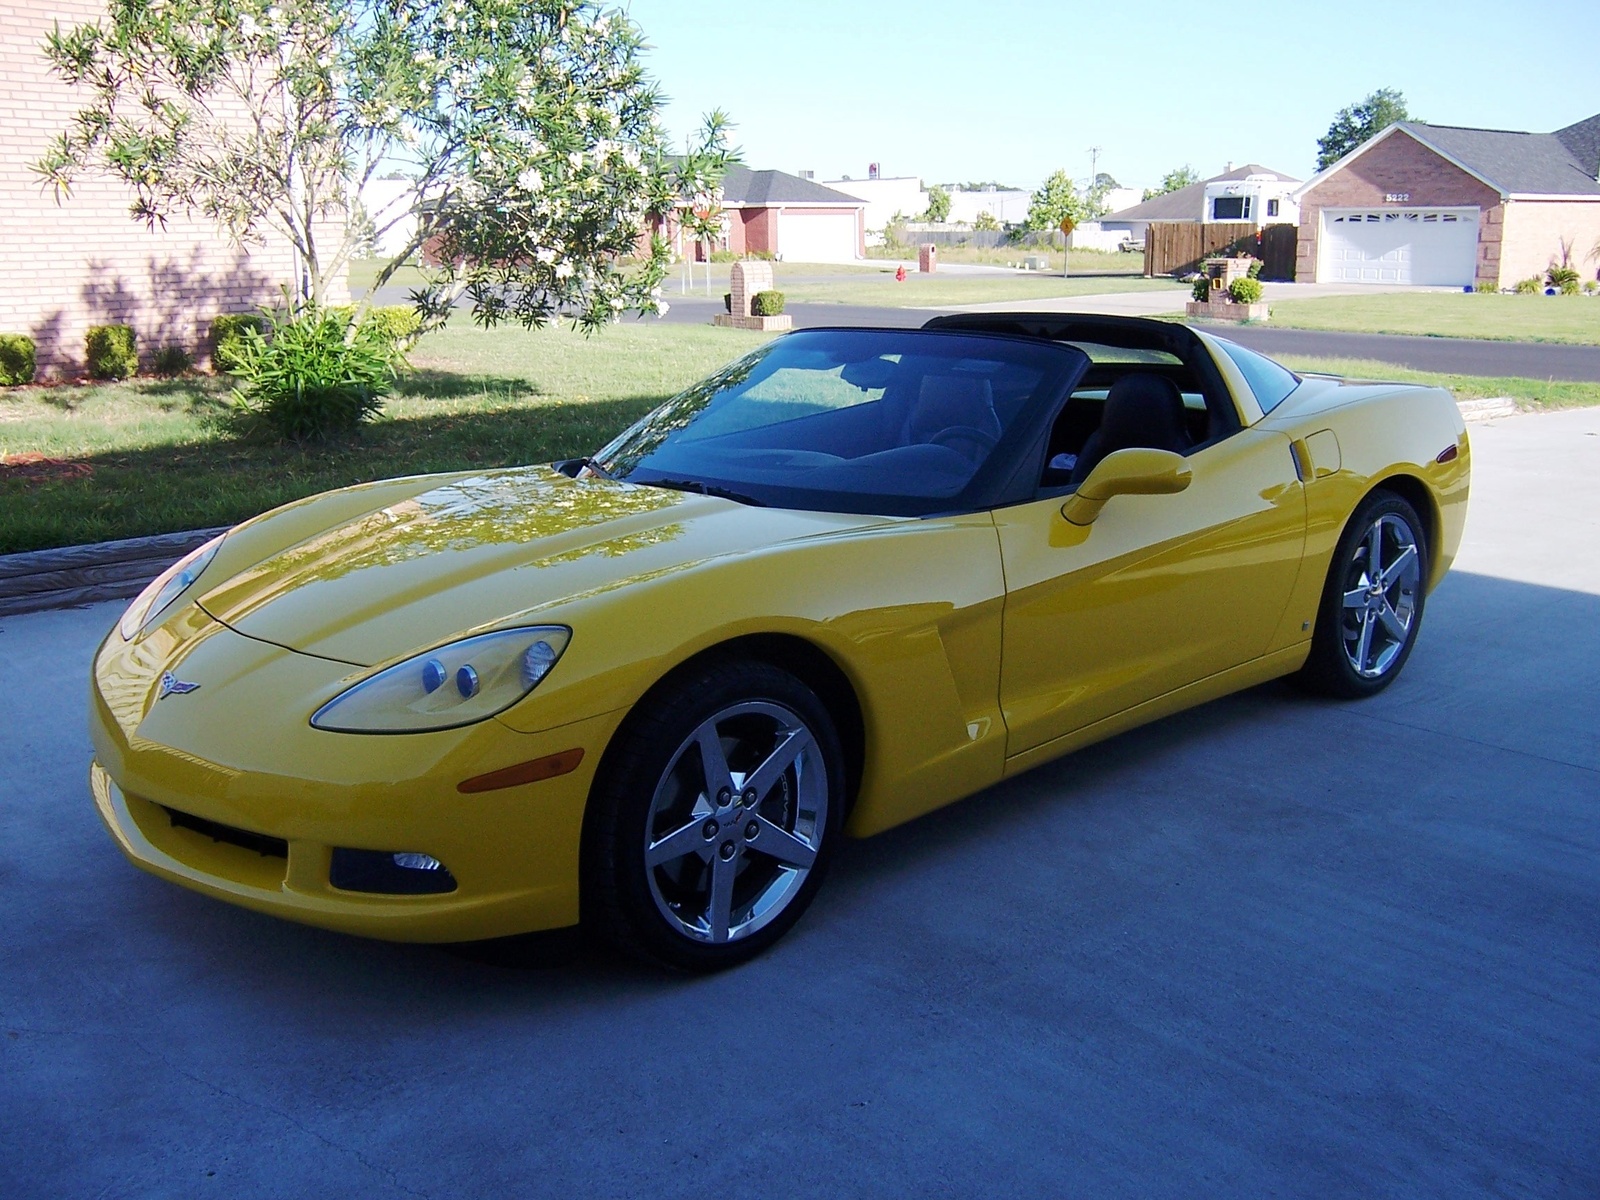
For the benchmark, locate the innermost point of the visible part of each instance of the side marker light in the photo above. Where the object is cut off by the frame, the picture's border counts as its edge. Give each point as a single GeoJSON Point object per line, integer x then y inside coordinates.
{"type": "Point", "coordinates": [548, 767]}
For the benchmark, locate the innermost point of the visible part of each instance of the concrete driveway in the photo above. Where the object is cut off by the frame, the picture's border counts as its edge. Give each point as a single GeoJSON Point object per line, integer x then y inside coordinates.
{"type": "Point", "coordinates": [1274, 946]}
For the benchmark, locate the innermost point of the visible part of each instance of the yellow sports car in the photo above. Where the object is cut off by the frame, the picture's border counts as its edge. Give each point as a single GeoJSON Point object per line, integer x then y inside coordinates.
{"type": "Point", "coordinates": [856, 575]}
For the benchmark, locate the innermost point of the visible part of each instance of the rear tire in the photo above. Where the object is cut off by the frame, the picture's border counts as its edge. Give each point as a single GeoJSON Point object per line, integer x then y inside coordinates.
{"type": "Point", "coordinates": [1368, 621]}
{"type": "Point", "coordinates": [713, 818]}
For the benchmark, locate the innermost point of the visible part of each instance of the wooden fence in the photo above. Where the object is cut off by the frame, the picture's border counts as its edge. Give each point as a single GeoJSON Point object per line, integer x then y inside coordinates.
{"type": "Point", "coordinates": [1179, 247]}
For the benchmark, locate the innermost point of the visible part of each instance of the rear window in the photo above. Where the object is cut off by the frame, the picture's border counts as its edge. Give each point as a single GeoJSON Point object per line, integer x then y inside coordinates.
{"type": "Point", "coordinates": [1269, 381]}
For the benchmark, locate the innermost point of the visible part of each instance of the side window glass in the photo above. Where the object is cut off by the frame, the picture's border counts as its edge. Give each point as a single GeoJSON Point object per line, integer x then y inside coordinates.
{"type": "Point", "coordinates": [1270, 382]}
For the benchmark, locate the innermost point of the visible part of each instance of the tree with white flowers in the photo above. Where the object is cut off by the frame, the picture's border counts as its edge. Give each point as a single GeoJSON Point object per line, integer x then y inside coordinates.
{"type": "Point", "coordinates": [528, 128]}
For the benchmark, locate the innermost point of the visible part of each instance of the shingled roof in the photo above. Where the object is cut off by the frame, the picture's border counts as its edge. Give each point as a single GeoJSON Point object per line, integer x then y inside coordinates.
{"type": "Point", "coordinates": [1187, 203]}
{"type": "Point", "coordinates": [1563, 163]}
{"type": "Point", "coordinates": [758, 189]}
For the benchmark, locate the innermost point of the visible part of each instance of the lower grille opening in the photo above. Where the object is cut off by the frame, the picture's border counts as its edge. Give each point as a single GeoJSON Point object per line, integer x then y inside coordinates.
{"type": "Point", "coordinates": [267, 847]}
{"type": "Point", "coordinates": [389, 872]}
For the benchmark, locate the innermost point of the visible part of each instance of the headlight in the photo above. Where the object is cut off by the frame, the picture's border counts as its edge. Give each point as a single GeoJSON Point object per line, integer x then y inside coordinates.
{"type": "Point", "coordinates": [165, 588]}
{"type": "Point", "coordinates": [449, 686]}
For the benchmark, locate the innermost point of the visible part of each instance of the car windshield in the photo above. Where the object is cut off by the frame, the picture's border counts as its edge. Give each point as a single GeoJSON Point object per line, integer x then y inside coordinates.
{"type": "Point", "coordinates": [901, 422]}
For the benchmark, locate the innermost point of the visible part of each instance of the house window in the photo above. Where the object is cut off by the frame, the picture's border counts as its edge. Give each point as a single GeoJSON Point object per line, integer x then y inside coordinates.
{"type": "Point", "coordinates": [1230, 208]}
{"type": "Point", "coordinates": [1272, 208]}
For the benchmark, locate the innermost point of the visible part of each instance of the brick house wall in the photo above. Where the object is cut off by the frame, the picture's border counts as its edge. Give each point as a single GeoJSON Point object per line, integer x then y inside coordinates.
{"type": "Point", "coordinates": [1534, 231]}
{"type": "Point", "coordinates": [1401, 165]}
{"type": "Point", "coordinates": [760, 227]}
{"type": "Point", "coordinates": [85, 261]}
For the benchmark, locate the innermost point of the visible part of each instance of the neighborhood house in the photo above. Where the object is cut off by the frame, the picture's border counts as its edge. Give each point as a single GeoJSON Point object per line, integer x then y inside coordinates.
{"type": "Point", "coordinates": [1447, 205]}
{"type": "Point", "coordinates": [782, 215]}
{"type": "Point", "coordinates": [1249, 193]}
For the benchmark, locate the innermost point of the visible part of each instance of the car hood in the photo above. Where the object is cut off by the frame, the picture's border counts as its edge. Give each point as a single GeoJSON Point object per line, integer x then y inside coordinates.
{"type": "Point", "coordinates": [483, 550]}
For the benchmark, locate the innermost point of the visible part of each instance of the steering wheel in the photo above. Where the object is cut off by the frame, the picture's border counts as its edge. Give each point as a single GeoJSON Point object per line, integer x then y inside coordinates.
{"type": "Point", "coordinates": [965, 433]}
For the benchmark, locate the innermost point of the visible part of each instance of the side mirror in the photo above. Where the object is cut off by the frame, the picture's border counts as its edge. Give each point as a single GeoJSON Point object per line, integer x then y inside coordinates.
{"type": "Point", "coordinates": [1134, 472]}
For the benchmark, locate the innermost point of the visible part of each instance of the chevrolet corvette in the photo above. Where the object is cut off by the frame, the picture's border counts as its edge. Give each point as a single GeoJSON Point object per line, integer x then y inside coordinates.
{"type": "Point", "coordinates": [854, 576]}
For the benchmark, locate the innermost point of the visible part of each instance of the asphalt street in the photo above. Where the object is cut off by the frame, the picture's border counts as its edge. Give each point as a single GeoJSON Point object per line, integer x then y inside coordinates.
{"type": "Point", "coordinates": [1275, 946]}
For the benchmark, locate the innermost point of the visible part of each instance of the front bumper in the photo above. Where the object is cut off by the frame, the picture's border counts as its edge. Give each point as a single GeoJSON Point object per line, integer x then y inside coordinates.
{"type": "Point", "coordinates": [240, 752]}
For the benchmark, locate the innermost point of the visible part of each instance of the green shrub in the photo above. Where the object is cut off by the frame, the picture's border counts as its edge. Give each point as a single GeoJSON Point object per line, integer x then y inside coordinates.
{"type": "Point", "coordinates": [112, 351]}
{"type": "Point", "coordinates": [227, 335]}
{"type": "Point", "coordinates": [1485, 287]}
{"type": "Point", "coordinates": [1254, 270]}
{"type": "Point", "coordinates": [766, 304]}
{"type": "Point", "coordinates": [18, 361]}
{"type": "Point", "coordinates": [1564, 279]}
{"type": "Point", "coordinates": [1530, 286]}
{"type": "Point", "coordinates": [171, 360]}
{"type": "Point", "coordinates": [1202, 289]}
{"type": "Point", "coordinates": [312, 375]}
{"type": "Point", "coordinates": [1245, 291]}
{"type": "Point", "coordinates": [400, 323]}
{"type": "Point", "coordinates": [1590, 287]}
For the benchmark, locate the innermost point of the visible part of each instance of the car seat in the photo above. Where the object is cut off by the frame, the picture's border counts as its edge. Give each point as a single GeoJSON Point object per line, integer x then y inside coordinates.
{"type": "Point", "coordinates": [956, 411]}
{"type": "Point", "coordinates": [1142, 409]}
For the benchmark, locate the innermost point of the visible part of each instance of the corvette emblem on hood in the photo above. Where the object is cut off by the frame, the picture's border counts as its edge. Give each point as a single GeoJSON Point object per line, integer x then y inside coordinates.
{"type": "Point", "coordinates": [171, 685]}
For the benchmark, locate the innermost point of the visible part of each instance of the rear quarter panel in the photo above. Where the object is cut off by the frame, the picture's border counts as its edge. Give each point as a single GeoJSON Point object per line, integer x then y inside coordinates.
{"type": "Point", "coordinates": [1385, 435]}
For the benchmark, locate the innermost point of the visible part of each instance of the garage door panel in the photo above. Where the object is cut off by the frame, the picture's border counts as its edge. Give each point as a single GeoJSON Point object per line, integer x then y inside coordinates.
{"type": "Point", "coordinates": [818, 237]}
{"type": "Point", "coordinates": [1402, 246]}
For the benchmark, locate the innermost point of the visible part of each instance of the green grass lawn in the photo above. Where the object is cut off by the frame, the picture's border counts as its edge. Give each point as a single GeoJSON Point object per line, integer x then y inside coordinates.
{"type": "Point", "coordinates": [364, 270]}
{"type": "Point", "coordinates": [155, 456]}
{"type": "Point", "coordinates": [1450, 314]}
{"type": "Point", "coordinates": [1529, 393]}
{"type": "Point", "coordinates": [941, 290]}
{"type": "Point", "coordinates": [1096, 262]}
{"type": "Point", "coordinates": [149, 456]}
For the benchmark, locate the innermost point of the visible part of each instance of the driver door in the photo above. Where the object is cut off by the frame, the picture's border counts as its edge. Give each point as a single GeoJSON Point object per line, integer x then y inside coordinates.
{"type": "Point", "coordinates": [1158, 592]}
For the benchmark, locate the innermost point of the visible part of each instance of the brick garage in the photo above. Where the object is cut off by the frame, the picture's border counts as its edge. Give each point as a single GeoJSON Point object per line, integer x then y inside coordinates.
{"type": "Point", "coordinates": [85, 261]}
{"type": "Point", "coordinates": [1423, 203]}
{"type": "Point", "coordinates": [784, 216]}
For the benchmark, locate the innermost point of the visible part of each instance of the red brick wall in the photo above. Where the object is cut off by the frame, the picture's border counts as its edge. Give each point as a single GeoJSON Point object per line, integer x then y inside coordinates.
{"type": "Point", "coordinates": [85, 261]}
{"type": "Point", "coordinates": [759, 229]}
{"type": "Point", "coordinates": [1400, 164]}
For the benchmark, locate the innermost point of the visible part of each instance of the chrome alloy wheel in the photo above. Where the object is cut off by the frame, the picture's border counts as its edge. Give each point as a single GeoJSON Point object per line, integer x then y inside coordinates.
{"type": "Point", "coordinates": [736, 822]}
{"type": "Point", "coordinates": [1380, 596]}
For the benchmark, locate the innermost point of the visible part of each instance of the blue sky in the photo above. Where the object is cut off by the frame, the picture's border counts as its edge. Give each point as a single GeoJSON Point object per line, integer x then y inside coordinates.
{"type": "Point", "coordinates": [1011, 89]}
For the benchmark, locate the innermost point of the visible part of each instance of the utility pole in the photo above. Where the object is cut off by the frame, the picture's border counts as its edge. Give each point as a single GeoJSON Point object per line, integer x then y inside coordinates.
{"type": "Point", "coordinates": [1094, 159]}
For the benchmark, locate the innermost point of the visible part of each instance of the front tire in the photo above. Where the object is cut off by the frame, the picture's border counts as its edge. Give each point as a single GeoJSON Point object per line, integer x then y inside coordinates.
{"type": "Point", "coordinates": [1372, 602]}
{"type": "Point", "coordinates": [713, 817]}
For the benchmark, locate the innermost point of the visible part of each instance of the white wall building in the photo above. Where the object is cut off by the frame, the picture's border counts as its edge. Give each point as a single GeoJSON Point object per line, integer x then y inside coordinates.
{"type": "Point", "coordinates": [1009, 207]}
{"type": "Point", "coordinates": [902, 194]}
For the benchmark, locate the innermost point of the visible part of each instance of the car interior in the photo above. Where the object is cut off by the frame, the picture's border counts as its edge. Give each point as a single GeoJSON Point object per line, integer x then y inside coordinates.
{"type": "Point", "coordinates": [1148, 385]}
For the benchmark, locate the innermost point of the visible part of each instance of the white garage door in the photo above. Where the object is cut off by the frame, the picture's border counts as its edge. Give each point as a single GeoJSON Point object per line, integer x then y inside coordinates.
{"type": "Point", "coordinates": [1437, 246]}
{"type": "Point", "coordinates": [818, 237]}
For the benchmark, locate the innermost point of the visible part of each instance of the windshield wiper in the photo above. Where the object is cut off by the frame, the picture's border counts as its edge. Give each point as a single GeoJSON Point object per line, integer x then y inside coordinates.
{"type": "Point", "coordinates": [704, 489]}
{"type": "Point", "coordinates": [571, 466]}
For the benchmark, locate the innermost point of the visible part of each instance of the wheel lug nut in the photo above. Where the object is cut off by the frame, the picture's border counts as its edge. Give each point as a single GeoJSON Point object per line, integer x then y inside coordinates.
{"type": "Point", "coordinates": [728, 850]}
{"type": "Point", "coordinates": [723, 797]}
{"type": "Point", "coordinates": [750, 831]}
{"type": "Point", "coordinates": [749, 797]}
{"type": "Point", "coordinates": [711, 830]}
